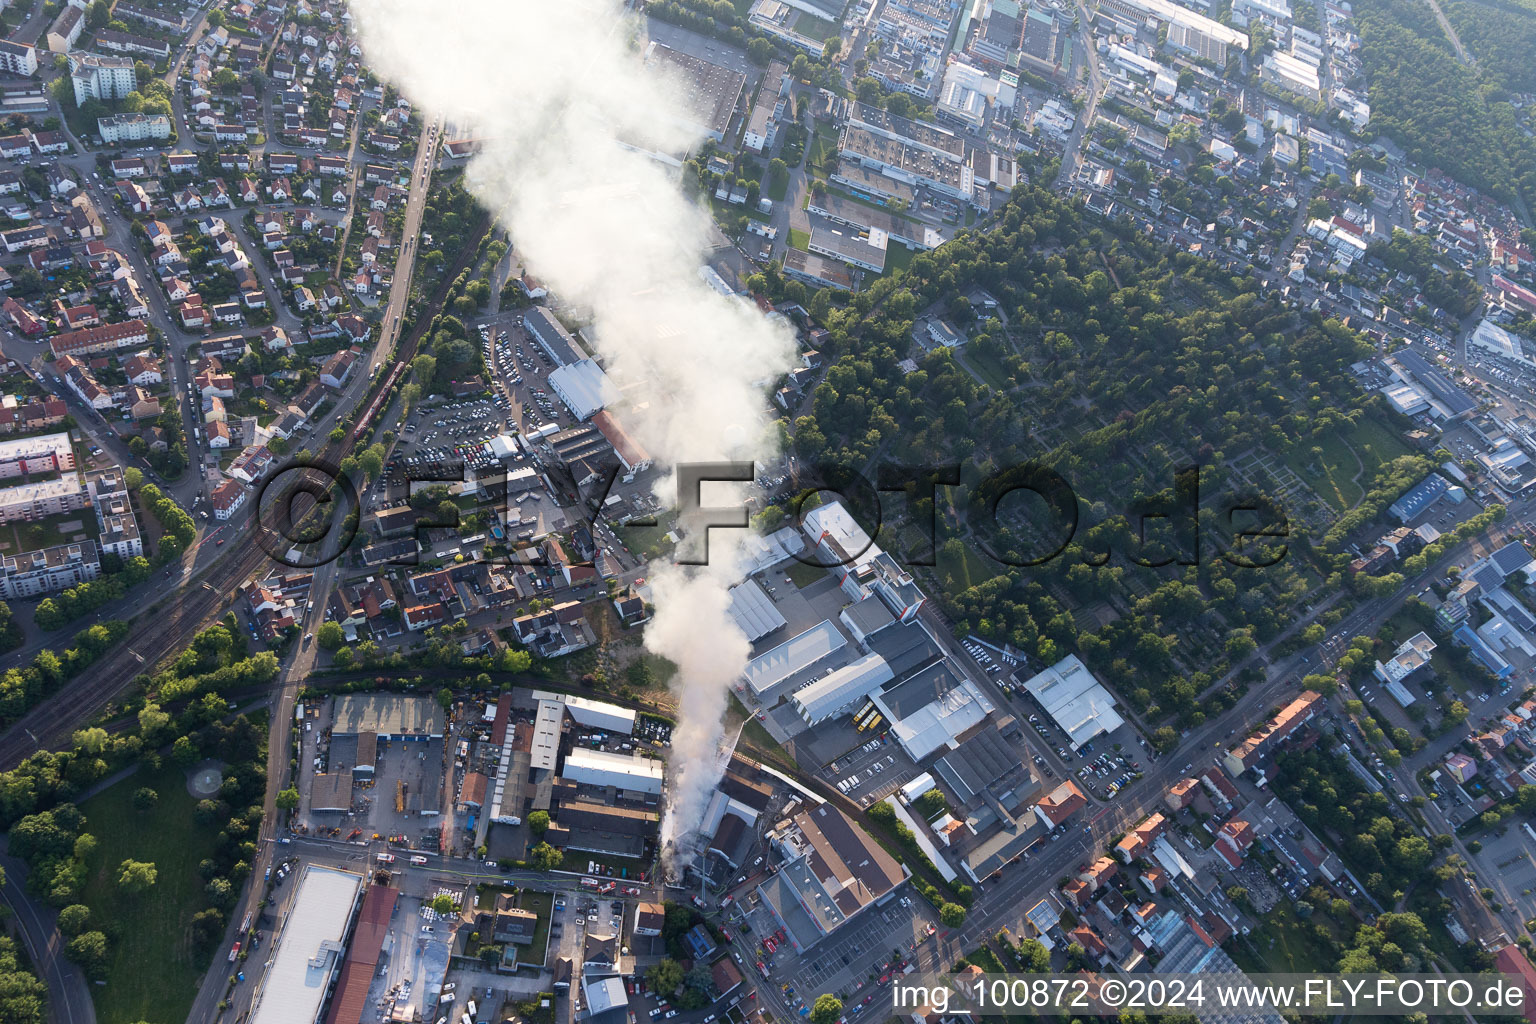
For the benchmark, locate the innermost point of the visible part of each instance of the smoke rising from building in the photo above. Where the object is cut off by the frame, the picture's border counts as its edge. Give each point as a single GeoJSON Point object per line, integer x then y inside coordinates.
{"type": "Point", "coordinates": [565, 111]}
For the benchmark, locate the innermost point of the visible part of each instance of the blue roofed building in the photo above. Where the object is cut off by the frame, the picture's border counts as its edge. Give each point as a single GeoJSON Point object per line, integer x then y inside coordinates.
{"type": "Point", "coordinates": [700, 945]}
{"type": "Point", "coordinates": [1424, 494]}
{"type": "Point", "coordinates": [1487, 656]}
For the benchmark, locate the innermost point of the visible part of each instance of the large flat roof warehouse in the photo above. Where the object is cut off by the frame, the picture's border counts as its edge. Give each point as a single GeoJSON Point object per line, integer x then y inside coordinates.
{"type": "Point", "coordinates": [583, 387]}
{"type": "Point", "coordinates": [1077, 701]}
{"type": "Point", "coordinates": [712, 91]}
{"type": "Point", "coordinates": [1453, 399]}
{"type": "Point", "coordinates": [547, 724]}
{"type": "Point", "coordinates": [622, 771]}
{"type": "Point", "coordinates": [793, 656]}
{"type": "Point", "coordinates": [552, 335]}
{"type": "Point", "coordinates": [821, 698]}
{"type": "Point", "coordinates": [834, 868]}
{"type": "Point", "coordinates": [309, 948]}
{"type": "Point", "coordinates": [932, 709]}
{"type": "Point", "coordinates": [391, 716]}
{"type": "Point", "coordinates": [754, 612]}
{"type": "Point", "coordinates": [597, 714]}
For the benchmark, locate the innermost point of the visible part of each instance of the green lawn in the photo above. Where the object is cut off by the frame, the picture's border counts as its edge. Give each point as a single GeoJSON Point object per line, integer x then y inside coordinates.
{"type": "Point", "coordinates": [755, 733]}
{"type": "Point", "coordinates": [778, 185]}
{"type": "Point", "coordinates": [989, 367]}
{"type": "Point", "coordinates": [803, 575]}
{"type": "Point", "coordinates": [1336, 474]}
{"type": "Point", "coordinates": [1286, 944]}
{"type": "Point", "coordinates": [543, 904]}
{"type": "Point", "coordinates": [897, 259]}
{"type": "Point", "coordinates": [799, 239]}
{"type": "Point", "coordinates": [154, 971]}
{"type": "Point", "coordinates": [974, 568]}
{"type": "Point", "coordinates": [823, 154]}
{"type": "Point", "coordinates": [647, 541]}
{"type": "Point", "coordinates": [815, 28]}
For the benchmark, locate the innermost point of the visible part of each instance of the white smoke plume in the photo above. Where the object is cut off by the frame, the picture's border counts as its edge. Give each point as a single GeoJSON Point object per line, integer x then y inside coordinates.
{"type": "Point", "coordinates": [564, 106]}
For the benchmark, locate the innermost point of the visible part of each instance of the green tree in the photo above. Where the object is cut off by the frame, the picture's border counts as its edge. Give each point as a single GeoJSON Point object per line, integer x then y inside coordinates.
{"type": "Point", "coordinates": [73, 919]}
{"type": "Point", "coordinates": [136, 876]}
{"type": "Point", "coordinates": [665, 976]}
{"type": "Point", "coordinates": [145, 799]}
{"type": "Point", "coordinates": [545, 857]}
{"type": "Point", "coordinates": [952, 914]}
{"type": "Point", "coordinates": [538, 822]}
{"type": "Point", "coordinates": [287, 799]}
{"type": "Point", "coordinates": [329, 636]}
{"type": "Point", "coordinates": [827, 1009]}
{"type": "Point", "coordinates": [89, 950]}
{"type": "Point", "coordinates": [444, 904]}
{"type": "Point", "coordinates": [97, 15]}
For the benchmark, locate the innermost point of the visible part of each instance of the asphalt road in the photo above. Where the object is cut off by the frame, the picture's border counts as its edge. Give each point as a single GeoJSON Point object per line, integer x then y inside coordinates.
{"type": "Point", "coordinates": [69, 997]}
{"type": "Point", "coordinates": [325, 578]}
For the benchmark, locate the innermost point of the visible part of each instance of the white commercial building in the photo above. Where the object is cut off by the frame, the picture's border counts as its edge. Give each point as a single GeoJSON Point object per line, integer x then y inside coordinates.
{"type": "Point", "coordinates": [1075, 700]}
{"type": "Point", "coordinates": [798, 654]}
{"type": "Point", "coordinates": [754, 611]}
{"type": "Point", "coordinates": [308, 948]}
{"type": "Point", "coordinates": [583, 387]}
{"type": "Point", "coordinates": [622, 771]}
{"type": "Point", "coordinates": [597, 714]}
{"type": "Point", "coordinates": [822, 698]}
{"type": "Point", "coordinates": [132, 128]}
{"type": "Point", "coordinates": [1294, 74]}
{"type": "Point", "coordinates": [1490, 337]}
{"type": "Point", "coordinates": [96, 77]}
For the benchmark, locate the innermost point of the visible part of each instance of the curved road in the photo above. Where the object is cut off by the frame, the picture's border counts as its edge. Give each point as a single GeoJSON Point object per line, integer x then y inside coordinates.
{"type": "Point", "coordinates": [69, 997]}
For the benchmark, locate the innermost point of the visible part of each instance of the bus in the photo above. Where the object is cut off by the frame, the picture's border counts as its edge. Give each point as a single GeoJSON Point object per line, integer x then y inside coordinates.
{"type": "Point", "coordinates": [872, 721]}
{"type": "Point", "coordinates": [864, 713]}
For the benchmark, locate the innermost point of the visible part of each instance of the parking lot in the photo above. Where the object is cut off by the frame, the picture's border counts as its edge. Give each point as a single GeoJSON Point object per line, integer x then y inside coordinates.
{"type": "Point", "coordinates": [855, 957]}
{"type": "Point", "coordinates": [413, 772]}
{"type": "Point", "coordinates": [871, 771]}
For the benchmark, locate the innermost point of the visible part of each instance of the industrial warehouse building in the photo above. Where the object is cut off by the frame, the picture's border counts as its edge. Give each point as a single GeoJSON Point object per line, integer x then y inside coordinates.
{"type": "Point", "coordinates": [583, 387]}
{"type": "Point", "coordinates": [363, 952]}
{"type": "Point", "coordinates": [833, 870]}
{"type": "Point", "coordinates": [753, 611]}
{"type": "Point", "coordinates": [1075, 700]}
{"type": "Point", "coordinates": [388, 716]}
{"type": "Point", "coordinates": [931, 709]}
{"type": "Point", "coordinates": [822, 698]}
{"type": "Point", "coordinates": [308, 948]}
{"type": "Point", "coordinates": [623, 772]}
{"type": "Point", "coordinates": [798, 654]}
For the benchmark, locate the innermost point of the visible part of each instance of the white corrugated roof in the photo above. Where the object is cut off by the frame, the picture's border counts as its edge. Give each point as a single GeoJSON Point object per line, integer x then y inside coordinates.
{"type": "Point", "coordinates": [583, 387]}
{"type": "Point", "coordinates": [754, 611]}
{"type": "Point", "coordinates": [309, 948]}
{"type": "Point", "coordinates": [822, 697]}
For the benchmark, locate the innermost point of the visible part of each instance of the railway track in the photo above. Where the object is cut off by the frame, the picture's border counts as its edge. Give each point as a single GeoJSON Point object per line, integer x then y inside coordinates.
{"type": "Point", "coordinates": [204, 597]}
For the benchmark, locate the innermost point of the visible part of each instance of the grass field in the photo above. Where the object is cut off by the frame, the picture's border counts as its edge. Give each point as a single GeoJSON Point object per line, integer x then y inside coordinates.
{"type": "Point", "coordinates": [543, 904]}
{"type": "Point", "coordinates": [815, 28]}
{"type": "Point", "coordinates": [799, 239]}
{"type": "Point", "coordinates": [153, 973]}
{"type": "Point", "coordinates": [1337, 475]}
{"type": "Point", "coordinates": [974, 568]}
{"type": "Point", "coordinates": [802, 575]}
{"type": "Point", "coordinates": [1285, 944]}
{"type": "Point", "coordinates": [897, 259]}
{"type": "Point", "coordinates": [823, 154]}
{"type": "Point", "coordinates": [647, 541]}
{"type": "Point", "coordinates": [778, 185]}
{"type": "Point", "coordinates": [987, 367]}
